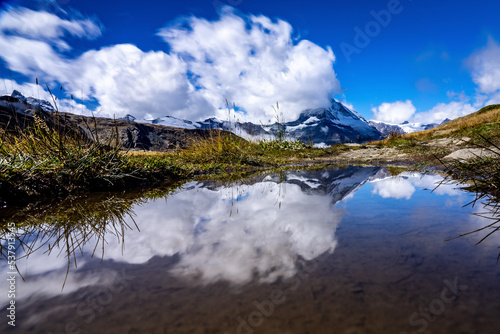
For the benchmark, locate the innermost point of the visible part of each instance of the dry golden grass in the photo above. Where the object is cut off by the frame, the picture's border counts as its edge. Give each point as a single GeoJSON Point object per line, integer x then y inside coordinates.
{"type": "Point", "coordinates": [487, 116]}
{"type": "Point", "coordinates": [146, 153]}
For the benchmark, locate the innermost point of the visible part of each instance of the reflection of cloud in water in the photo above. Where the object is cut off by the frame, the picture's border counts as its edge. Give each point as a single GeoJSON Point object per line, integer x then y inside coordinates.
{"type": "Point", "coordinates": [227, 234]}
{"type": "Point", "coordinates": [50, 283]}
{"type": "Point", "coordinates": [261, 237]}
{"type": "Point", "coordinates": [394, 188]}
{"type": "Point", "coordinates": [220, 233]}
{"type": "Point", "coordinates": [405, 184]}
{"type": "Point", "coordinates": [236, 232]}
{"type": "Point", "coordinates": [218, 237]}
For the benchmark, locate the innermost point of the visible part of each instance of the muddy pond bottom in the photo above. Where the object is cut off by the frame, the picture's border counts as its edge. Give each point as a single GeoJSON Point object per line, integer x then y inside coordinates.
{"type": "Point", "coordinates": [342, 250]}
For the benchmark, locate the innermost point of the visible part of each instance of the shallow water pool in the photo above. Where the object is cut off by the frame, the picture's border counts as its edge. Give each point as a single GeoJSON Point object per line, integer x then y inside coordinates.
{"type": "Point", "coordinates": [340, 250]}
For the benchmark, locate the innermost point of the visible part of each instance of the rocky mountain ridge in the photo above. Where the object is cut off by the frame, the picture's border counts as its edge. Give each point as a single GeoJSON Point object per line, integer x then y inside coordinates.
{"type": "Point", "coordinates": [320, 126]}
{"type": "Point", "coordinates": [17, 115]}
{"type": "Point", "coordinates": [406, 127]}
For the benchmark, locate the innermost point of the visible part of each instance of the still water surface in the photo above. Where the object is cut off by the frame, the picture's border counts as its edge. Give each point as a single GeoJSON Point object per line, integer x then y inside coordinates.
{"type": "Point", "coordinates": [342, 250]}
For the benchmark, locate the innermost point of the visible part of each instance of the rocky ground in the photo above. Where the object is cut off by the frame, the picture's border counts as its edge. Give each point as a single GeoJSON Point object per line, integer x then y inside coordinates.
{"type": "Point", "coordinates": [431, 152]}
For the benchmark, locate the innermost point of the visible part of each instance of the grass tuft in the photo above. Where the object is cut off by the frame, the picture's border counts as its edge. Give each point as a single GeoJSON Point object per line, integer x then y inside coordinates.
{"type": "Point", "coordinates": [482, 177]}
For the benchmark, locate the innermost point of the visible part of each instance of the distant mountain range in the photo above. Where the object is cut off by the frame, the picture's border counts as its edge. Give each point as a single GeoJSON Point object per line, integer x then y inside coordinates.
{"type": "Point", "coordinates": [18, 116]}
{"type": "Point", "coordinates": [406, 127]}
{"type": "Point", "coordinates": [320, 127]}
{"type": "Point", "coordinates": [45, 105]}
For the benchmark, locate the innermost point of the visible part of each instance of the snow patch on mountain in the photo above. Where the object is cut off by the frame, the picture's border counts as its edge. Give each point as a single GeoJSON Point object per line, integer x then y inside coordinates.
{"type": "Point", "coordinates": [320, 126]}
{"type": "Point", "coordinates": [333, 125]}
{"type": "Point", "coordinates": [324, 126]}
{"type": "Point", "coordinates": [165, 121]}
{"type": "Point", "coordinates": [45, 105]}
{"type": "Point", "coordinates": [406, 127]}
{"type": "Point", "coordinates": [174, 122]}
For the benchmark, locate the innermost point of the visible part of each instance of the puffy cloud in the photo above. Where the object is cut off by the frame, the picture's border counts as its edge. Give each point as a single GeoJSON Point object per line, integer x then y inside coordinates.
{"type": "Point", "coordinates": [396, 112]}
{"type": "Point", "coordinates": [41, 24]}
{"type": "Point", "coordinates": [442, 111]}
{"type": "Point", "coordinates": [126, 80]}
{"type": "Point", "coordinates": [25, 33]}
{"type": "Point", "coordinates": [7, 86]}
{"type": "Point", "coordinates": [484, 65]}
{"type": "Point", "coordinates": [252, 61]}
{"type": "Point", "coordinates": [399, 112]}
{"type": "Point", "coordinates": [122, 78]}
{"type": "Point", "coordinates": [485, 68]}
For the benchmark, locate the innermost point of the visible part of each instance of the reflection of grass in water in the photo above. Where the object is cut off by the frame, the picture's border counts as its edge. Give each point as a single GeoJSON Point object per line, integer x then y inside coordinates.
{"type": "Point", "coordinates": [482, 176]}
{"type": "Point", "coordinates": [72, 224]}
{"type": "Point", "coordinates": [493, 213]}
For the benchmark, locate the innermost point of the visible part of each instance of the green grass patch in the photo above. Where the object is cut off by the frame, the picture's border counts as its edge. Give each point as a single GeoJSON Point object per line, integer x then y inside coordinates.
{"type": "Point", "coordinates": [488, 109]}
{"type": "Point", "coordinates": [479, 132]}
{"type": "Point", "coordinates": [51, 161]}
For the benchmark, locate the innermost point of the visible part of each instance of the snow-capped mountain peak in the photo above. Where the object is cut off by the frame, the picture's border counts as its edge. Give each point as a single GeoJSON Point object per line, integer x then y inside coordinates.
{"type": "Point", "coordinates": [333, 125]}
{"type": "Point", "coordinates": [343, 112]}
{"type": "Point", "coordinates": [165, 120]}
{"type": "Point", "coordinates": [174, 121]}
{"type": "Point", "coordinates": [128, 117]}
{"type": "Point", "coordinates": [325, 126]}
{"type": "Point", "coordinates": [320, 126]}
{"type": "Point", "coordinates": [45, 105]}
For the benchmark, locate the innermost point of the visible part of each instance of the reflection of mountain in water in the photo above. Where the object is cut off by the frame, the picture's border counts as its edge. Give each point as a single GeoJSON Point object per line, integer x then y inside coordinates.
{"type": "Point", "coordinates": [336, 183]}
{"type": "Point", "coordinates": [272, 222]}
{"type": "Point", "coordinates": [256, 229]}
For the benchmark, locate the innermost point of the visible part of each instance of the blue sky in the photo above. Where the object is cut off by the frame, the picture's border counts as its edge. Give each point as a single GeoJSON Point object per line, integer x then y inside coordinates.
{"type": "Point", "coordinates": [417, 60]}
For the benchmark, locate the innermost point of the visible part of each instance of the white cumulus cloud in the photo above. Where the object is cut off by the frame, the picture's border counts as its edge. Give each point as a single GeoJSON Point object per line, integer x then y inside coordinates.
{"type": "Point", "coordinates": [398, 112]}
{"type": "Point", "coordinates": [443, 111]}
{"type": "Point", "coordinates": [484, 65]}
{"type": "Point", "coordinates": [250, 60]}
{"type": "Point", "coordinates": [485, 68]}
{"type": "Point", "coordinates": [41, 24]}
{"type": "Point", "coordinates": [395, 112]}
{"type": "Point", "coordinates": [254, 62]}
